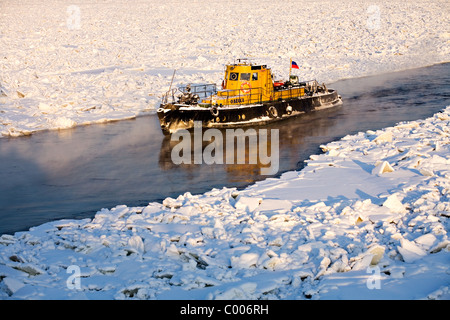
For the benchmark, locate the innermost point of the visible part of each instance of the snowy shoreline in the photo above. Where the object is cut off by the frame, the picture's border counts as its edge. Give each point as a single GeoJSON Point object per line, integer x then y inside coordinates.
{"type": "Point", "coordinates": [300, 236]}
{"type": "Point", "coordinates": [66, 64]}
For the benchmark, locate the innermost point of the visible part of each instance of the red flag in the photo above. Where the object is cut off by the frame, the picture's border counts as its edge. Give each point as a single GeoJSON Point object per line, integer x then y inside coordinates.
{"type": "Point", "coordinates": [294, 65]}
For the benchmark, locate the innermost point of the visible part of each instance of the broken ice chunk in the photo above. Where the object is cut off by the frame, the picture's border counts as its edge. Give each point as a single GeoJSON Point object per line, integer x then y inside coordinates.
{"type": "Point", "coordinates": [410, 252]}
{"type": "Point", "coordinates": [426, 241]}
{"type": "Point", "coordinates": [377, 251]}
{"type": "Point", "coordinates": [394, 204]}
{"type": "Point", "coordinates": [12, 285]}
{"type": "Point", "coordinates": [248, 204]}
{"type": "Point", "coordinates": [381, 168]}
{"type": "Point", "coordinates": [384, 137]}
{"type": "Point", "coordinates": [136, 244]}
{"type": "Point", "coordinates": [246, 260]}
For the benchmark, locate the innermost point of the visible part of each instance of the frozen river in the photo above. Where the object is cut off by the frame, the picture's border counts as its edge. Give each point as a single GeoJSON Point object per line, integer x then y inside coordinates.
{"type": "Point", "coordinates": [75, 172]}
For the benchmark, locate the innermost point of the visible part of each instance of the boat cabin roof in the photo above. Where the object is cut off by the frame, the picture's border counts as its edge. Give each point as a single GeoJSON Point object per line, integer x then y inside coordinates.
{"type": "Point", "coordinates": [245, 65]}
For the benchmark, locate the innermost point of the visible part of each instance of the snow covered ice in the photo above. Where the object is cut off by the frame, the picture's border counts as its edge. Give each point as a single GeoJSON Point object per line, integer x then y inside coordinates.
{"type": "Point", "coordinates": [300, 236]}
{"type": "Point", "coordinates": [367, 219]}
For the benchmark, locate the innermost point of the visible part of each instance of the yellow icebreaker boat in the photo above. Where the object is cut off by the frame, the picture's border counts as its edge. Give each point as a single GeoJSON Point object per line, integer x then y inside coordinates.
{"type": "Point", "coordinates": [249, 95]}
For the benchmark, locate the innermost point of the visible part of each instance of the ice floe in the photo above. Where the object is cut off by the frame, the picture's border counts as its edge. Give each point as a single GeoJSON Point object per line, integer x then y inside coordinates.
{"type": "Point", "coordinates": [64, 63]}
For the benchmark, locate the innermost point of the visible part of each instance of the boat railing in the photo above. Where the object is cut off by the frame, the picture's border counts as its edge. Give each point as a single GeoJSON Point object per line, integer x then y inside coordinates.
{"type": "Point", "coordinates": [170, 93]}
{"type": "Point", "coordinates": [201, 91]}
{"type": "Point", "coordinates": [300, 88]}
{"type": "Point", "coordinates": [311, 85]}
{"type": "Point", "coordinates": [290, 92]}
{"type": "Point", "coordinates": [248, 95]}
{"type": "Point", "coordinates": [257, 95]}
{"type": "Point", "coordinates": [240, 96]}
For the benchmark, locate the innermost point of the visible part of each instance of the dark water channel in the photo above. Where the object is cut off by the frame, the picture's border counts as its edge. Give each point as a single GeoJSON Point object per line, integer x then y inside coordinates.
{"type": "Point", "coordinates": [74, 173]}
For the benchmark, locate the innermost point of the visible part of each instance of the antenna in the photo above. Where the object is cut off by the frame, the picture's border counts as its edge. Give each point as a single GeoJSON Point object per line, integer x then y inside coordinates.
{"type": "Point", "coordinates": [241, 59]}
{"type": "Point", "coordinates": [166, 95]}
{"type": "Point", "coordinates": [290, 70]}
{"type": "Point", "coordinates": [173, 76]}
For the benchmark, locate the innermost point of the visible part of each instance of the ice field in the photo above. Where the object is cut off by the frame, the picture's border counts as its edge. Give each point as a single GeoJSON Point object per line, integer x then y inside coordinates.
{"type": "Point", "coordinates": [367, 219]}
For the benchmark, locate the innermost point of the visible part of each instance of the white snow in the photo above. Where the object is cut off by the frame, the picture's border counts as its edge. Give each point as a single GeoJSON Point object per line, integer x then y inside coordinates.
{"type": "Point", "coordinates": [300, 236]}
{"type": "Point", "coordinates": [367, 219]}
{"type": "Point", "coordinates": [66, 63]}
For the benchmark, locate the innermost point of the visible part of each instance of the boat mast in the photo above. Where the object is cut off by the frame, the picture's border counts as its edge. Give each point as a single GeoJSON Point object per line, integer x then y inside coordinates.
{"type": "Point", "coordinates": [173, 76]}
{"type": "Point", "coordinates": [290, 70]}
{"type": "Point", "coordinates": [170, 87]}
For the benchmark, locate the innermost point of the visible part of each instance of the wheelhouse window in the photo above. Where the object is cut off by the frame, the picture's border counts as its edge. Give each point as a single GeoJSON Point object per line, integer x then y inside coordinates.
{"type": "Point", "coordinates": [255, 76]}
{"type": "Point", "coordinates": [234, 76]}
{"type": "Point", "coordinates": [245, 76]}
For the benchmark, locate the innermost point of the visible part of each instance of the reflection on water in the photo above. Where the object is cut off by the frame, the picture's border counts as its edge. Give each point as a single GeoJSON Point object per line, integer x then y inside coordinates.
{"type": "Point", "coordinates": [291, 148]}
{"type": "Point", "coordinates": [73, 173]}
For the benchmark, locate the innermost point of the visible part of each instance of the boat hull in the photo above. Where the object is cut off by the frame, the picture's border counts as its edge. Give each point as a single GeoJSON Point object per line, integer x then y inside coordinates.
{"type": "Point", "coordinates": [174, 117]}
